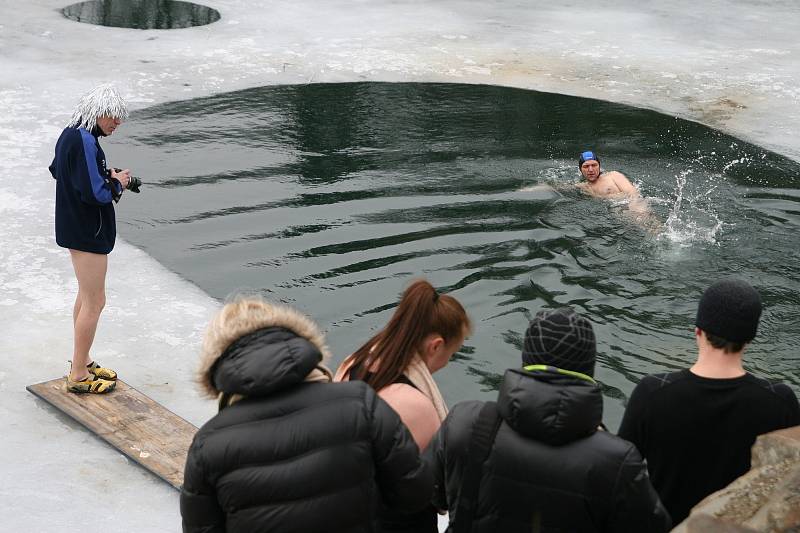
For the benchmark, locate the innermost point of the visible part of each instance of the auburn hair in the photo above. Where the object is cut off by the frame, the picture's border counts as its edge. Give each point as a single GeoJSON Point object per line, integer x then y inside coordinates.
{"type": "Point", "coordinates": [421, 311]}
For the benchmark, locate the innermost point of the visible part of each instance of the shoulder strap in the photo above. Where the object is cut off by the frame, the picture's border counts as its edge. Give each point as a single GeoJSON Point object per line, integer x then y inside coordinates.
{"type": "Point", "coordinates": [405, 381]}
{"type": "Point", "coordinates": [352, 372]}
{"type": "Point", "coordinates": [484, 431]}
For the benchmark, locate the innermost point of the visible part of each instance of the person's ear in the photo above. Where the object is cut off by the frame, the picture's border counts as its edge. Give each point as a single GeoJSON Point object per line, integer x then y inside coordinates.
{"type": "Point", "coordinates": [435, 344]}
{"type": "Point", "coordinates": [700, 335]}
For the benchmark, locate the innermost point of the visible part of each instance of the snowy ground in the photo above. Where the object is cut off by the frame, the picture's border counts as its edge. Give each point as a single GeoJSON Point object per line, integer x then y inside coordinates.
{"type": "Point", "coordinates": [731, 65]}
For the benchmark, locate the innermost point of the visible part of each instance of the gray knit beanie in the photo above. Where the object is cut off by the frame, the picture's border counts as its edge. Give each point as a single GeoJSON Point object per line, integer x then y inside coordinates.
{"type": "Point", "coordinates": [730, 309]}
{"type": "Point", "coordinates": [560, 338]}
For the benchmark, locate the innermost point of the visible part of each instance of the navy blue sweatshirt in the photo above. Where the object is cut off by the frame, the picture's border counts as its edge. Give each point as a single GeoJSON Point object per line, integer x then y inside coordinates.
{"type": "Point", "coordinates": [84, 201]}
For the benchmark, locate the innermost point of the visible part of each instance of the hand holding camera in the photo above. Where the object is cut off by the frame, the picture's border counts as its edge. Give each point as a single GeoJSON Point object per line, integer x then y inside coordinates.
{"type": "Point", "coordinates": [122, 176]}
{"type": "Point", "coordinates": [132, 183]}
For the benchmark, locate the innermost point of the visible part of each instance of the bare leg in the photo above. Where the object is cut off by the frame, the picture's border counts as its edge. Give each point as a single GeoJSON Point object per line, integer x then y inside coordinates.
{"type": "Point", "coordinates": [90, 269]}
{"type": "Point", "coordinates": [76, 308]}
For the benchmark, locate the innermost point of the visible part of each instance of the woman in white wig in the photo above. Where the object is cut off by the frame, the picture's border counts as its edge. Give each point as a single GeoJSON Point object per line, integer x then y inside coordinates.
{"type": "Point", "coordinates": [86, 190]}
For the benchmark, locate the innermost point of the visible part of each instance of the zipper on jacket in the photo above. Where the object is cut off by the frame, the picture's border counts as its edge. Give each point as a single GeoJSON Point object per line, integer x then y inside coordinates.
{"type": "Point", "coordinates": [99, 212]}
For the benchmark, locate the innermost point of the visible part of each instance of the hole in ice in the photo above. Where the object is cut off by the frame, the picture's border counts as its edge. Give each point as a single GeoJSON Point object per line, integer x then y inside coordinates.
{"type": "Point", "coordinates": [142, 14]}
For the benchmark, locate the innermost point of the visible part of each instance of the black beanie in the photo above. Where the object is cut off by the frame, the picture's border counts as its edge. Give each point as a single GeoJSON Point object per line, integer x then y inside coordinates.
{"type": "Point", "coordinates": [560, 338]}
{"type": "Point", "coordinates": [730, 309]}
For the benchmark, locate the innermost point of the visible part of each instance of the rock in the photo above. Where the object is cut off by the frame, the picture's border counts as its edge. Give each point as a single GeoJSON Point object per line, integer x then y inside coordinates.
{"type": "Point", "coordinates": [777, 447]}
{"type": "Point", "coordinates": [765, 499]}
{"type": "Point", "coordinates": [781, 512]}
{"type": "Point", "coordinates": [703, 523]}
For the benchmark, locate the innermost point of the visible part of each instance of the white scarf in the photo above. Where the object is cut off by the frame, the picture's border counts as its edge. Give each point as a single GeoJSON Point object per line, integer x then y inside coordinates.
{"type": "Point", "coordinates": [419, 374]}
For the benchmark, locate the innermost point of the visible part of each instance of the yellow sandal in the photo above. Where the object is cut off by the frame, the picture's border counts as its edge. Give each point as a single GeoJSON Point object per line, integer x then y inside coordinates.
{"type": "Point", "coordinates": [91, 385]}
{"type": "Point", "coordinates": [101, 372]}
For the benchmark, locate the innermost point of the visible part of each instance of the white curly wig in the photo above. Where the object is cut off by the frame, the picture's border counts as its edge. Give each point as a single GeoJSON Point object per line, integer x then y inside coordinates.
{"type": "Point", "coordinates": [102, 101]}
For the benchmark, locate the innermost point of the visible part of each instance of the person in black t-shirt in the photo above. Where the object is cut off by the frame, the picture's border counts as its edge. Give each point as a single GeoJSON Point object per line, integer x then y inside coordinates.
{"type": "Point", "coordinates": [695, 427]}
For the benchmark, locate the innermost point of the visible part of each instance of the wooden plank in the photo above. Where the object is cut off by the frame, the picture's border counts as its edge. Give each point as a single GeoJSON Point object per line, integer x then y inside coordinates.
{"type": "Point", "coordinates": [131, 422]}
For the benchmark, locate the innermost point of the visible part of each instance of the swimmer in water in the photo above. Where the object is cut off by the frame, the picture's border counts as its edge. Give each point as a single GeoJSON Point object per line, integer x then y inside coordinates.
{"type": "Point", "coordinates": [614, 185]}
{"type": "Point", "coordinates": [611, 184]}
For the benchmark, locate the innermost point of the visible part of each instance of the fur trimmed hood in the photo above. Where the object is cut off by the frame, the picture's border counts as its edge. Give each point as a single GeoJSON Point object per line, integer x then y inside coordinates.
{"type": "Point", "coordinates": [253, 347]}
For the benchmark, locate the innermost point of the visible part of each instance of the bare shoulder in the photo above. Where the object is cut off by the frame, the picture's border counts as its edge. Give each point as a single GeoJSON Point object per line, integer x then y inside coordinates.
{"type": "Point", "coordinates": [622, 182]}
{"type": "Point", "coordinates": [614, 174]}
{"type": "Point", "coordinates": [406, 398]}
{"type": "Point", "coordinates": [414, 409]}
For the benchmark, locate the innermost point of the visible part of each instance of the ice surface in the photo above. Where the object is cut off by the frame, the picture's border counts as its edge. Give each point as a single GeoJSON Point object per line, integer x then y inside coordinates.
{"type": "Point", "coordinates": [729, 64]}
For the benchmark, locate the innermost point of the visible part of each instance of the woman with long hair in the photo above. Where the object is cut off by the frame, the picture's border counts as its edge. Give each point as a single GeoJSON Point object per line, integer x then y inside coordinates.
{"type": "Point", "coordinates": [423, 334]}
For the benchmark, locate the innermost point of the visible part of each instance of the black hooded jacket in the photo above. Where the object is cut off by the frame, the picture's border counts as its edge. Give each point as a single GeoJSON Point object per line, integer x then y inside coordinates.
{"type": "Point", "coordinates": [296, 456]}
{"type": "Point", "coordinates": [549, 469]}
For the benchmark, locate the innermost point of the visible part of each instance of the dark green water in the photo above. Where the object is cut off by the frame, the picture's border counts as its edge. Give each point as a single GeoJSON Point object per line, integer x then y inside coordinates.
{"type": "Point", "coordinates": [142, 14]}
{"type": "Point", "coordinates": [332, 197]}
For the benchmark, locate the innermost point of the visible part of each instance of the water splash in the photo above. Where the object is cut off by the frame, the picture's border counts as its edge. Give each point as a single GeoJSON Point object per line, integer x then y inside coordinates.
{"type": "Point", "coordinates": [744, 160]}
{"type": "Point", "coordinates": [692, 217]}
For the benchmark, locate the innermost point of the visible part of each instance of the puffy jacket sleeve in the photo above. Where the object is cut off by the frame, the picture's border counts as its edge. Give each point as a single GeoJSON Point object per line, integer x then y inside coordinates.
{"type": "Point", "coordinates": [637, 507]}
{"type": "Point", "coordinates": [447, 454]}
{"type": "Point", "coordinates": [435, 456]}
{"type": "Point", "coordinates": [403, 478]}
{"type": "Point", "coordinates": [200, 511]}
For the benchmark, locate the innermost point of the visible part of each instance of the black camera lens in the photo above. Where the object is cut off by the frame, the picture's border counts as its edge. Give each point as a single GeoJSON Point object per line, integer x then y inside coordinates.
{"type": "Point", "coordinates": [134, 184]}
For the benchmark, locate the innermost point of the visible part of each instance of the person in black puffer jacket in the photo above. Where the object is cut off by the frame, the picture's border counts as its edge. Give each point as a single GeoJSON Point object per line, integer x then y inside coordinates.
{"type": "Point", "coordinates": [550, 466]}
{"type": "Point", "coordinates": [289, 451]}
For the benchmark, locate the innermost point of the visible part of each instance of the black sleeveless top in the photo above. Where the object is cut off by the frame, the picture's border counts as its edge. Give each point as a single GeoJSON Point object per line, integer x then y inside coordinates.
{"type": "Point", "coordinates": [424, 521]}
{"type": "Point", "coordinates": [353, 373]}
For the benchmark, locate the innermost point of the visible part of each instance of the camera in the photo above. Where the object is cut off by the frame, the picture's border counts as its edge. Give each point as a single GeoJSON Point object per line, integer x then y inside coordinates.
{"type": "Point", "coordinates": [133, 184]}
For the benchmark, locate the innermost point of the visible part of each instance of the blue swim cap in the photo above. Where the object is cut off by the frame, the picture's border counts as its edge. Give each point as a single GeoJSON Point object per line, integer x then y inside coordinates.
{"type": "Point", "coordinates": [587, 156]}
